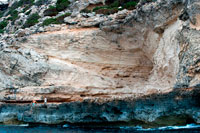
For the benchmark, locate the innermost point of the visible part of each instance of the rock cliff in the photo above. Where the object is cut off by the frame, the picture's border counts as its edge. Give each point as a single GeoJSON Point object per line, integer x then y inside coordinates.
{"type": "Point", "coordinates": [138, 66]}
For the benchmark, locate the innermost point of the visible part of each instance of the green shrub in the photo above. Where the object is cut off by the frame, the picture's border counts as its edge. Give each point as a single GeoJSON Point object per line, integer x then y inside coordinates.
{"type": "Point", "coordinates": [3, 24]}
{"type": "Point", "coordinates": [62, 4]}
{"type": "Point", "coordinates": [112, 7]}
{"type": "Point", "coordinates": [26, 3]}
{"type": "Point", "coordinates": [130, 4]}
{"type": "Point", "coordinates": [15, 5]}
{"type": "Point", "coordinates": [32, 20]}
{"type": "Point", "coordinates": [27, 13]}
{"type": "Point", "coordinates": [14, 13]}
{"type": "Point", "coordinates": [21, 3]}
{"type": "Point", "coordinates": [19, 23]}
{"type": "Point", "coordinates": [52, 7]}
{"type": "Point", "coordinates": [41, 2]}
{"type": "Point", "coordinates": [50, 21]}
{"type": "Point", "coordinates": [1, 14]}
{"type": "Point", "coordinates": [13, 16]}
{"type": "Point", "coordinates": [2, 30]}
{"type": "Point", "coordinates": [99, 7]}
{"type": "Point", "coordinates": [86, 11]}
{"type": "Point", "coordinates": [26, 8]}
{"type": "Point", "coordinates": [51, 11]}
{"type": "Point", "coordinates": [114, 4]}
{"type": "Point", "coordinates": [60, 19]}
{"type": "Point", "coordinates": [107, 11]}
{"type": "Point", "coordinates": [66, 14]}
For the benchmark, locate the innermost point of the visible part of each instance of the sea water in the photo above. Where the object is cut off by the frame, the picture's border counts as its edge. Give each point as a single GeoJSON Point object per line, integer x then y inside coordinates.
{"type": "Point", "coordinates": [72, 129]}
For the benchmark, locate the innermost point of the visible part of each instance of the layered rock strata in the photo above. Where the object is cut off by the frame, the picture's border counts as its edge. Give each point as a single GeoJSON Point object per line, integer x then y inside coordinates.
{"type": "Point", "coordinates": [175, 108]}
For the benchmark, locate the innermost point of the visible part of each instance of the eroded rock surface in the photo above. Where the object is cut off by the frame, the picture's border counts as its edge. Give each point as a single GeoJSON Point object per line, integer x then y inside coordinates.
{"type": "Point", "coordinates": [140, 65]}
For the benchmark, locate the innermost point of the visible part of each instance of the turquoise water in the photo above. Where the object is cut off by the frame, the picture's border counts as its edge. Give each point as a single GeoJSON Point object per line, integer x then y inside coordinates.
{"type": "Point", "coordinates": [66, 129]}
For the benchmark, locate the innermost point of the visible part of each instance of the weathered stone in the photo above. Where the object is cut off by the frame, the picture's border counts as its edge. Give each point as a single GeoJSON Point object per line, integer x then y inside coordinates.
{"type": "Point", "coordinates": [70, 20]}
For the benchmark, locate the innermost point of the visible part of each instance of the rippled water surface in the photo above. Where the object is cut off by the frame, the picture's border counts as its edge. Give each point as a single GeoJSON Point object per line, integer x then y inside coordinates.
{"type": "Point", "coordinates": [67, 129]}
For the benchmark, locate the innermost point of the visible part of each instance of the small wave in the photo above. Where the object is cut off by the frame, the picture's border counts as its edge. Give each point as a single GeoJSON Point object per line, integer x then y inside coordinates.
{"type": "Point", "coordinates": [20, 125]}
{"type": "Point", "coordinates": [127, 127]}
{"type": "Point", "coordinates": [188, 126]}
{"type": "Point", "coordinates": [66, 125]}
{"type": "Point", "coordinates": [24, 125]}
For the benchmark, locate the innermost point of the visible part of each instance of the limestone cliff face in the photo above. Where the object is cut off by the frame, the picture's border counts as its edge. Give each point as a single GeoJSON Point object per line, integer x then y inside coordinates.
{"type": "Point", "coordinates": [139, 65]}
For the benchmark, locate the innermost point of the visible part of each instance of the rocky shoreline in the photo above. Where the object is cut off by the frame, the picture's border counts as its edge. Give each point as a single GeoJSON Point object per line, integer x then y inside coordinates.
{"type": "Point", "coordinates": [179, 107]}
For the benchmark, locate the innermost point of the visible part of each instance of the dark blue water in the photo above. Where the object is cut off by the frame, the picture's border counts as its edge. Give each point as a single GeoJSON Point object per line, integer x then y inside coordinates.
{"type": "Point", "coordinates": [65, 129]}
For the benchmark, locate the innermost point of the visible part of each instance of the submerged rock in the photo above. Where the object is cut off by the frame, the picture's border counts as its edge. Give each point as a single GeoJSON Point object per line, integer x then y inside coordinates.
{"type": "Point", "coordinates": [175, 108]}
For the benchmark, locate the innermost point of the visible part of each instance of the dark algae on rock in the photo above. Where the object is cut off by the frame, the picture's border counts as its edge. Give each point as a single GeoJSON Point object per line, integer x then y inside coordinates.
{"type": "Point", "coordinates": [179, 107]}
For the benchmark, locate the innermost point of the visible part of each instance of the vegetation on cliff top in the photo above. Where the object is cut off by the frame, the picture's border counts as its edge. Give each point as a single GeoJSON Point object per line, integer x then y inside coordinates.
{"type": "Point", "coordinates": [32, 20]}
{"type": "Point", "coordinates": [54, 10]}
{"type": "Point", "coordinates": [50, 21]}
{"type": "Point", "coordinates": [13, 15]}
{"type": "Point", "coordinates": [41, 2]}
{"type": "Point", "coordinates": [114, 6]}
{"type": "Point", "coordinates": [3, 24]}
{"type": "Point", "coordinates": [58, 20]}
{"type": "Point", "coordinates": [24, 6]}
{"type": "Point", "coordinates": [110, 7]}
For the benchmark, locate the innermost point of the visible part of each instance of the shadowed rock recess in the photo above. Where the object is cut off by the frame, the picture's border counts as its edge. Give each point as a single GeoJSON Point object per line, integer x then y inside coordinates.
{"type": "Point", "coordinates": [133, 67]}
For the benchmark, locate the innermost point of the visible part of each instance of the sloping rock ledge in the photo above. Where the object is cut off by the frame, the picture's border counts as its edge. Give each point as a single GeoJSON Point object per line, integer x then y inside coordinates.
{"type": "Point", "coordinates": [175, 108]}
